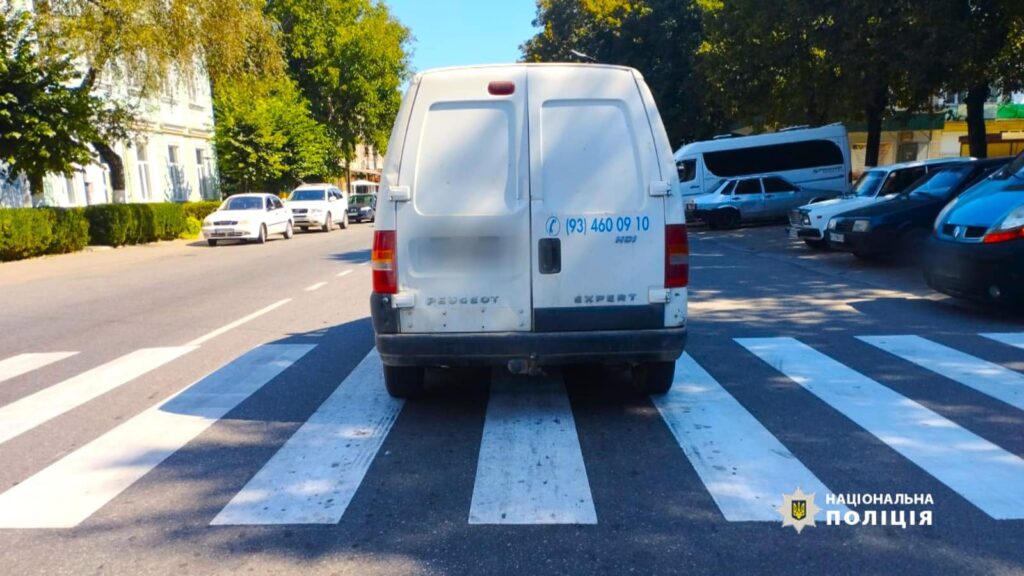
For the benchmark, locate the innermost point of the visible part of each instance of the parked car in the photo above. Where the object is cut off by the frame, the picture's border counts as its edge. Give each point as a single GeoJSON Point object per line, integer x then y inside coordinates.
{"type": "Point", "coordinates": [247, 217]}
{"type": "Point", "coordinates": [813, 157]}
{"type": "Point", "coordinates": [488, 251]}
{"type": "Point", "coordinates": [318, 205]}
{"type": "Point", "coordinates": [977, 249]}
{"type": "Point", "coordinates": [362, 207]}
{"type": "Point", "coordinates": [880, 184]}
{"type": "Point", "coordinates": [904, 224]}
{"type": "Point", "coordinates": [745, 199]}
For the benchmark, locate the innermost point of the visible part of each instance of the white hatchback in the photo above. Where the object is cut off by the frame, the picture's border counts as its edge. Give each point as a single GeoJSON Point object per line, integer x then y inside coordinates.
{"type": "Point", "coordinates": [247, 217]}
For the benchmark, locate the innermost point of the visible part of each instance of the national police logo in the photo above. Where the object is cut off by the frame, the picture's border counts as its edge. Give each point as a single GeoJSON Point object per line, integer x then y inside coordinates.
{"type": "Point", "coordinates": [798, 510]}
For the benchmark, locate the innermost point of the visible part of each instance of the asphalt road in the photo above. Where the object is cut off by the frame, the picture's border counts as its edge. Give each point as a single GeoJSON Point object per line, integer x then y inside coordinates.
{"type": "Point", "coordinates": [222, 412]}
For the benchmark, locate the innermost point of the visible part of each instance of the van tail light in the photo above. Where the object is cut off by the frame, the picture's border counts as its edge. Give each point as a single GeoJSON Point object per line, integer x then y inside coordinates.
{"type": "Point", "coordinates": [677, 256]}
{"type": "Point", "coordinates": [1004, 235]}
{"type": "Point", "coordinates": [384, 262]}
{"type": "Point", "coordinates": [501, 88]}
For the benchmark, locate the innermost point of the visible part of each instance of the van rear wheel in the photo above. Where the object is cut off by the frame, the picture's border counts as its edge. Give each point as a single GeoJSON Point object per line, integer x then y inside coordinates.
{"type": "Point", "coordinates": [653, 377]}
{"type": "Point", "coordinates": [404, 381]}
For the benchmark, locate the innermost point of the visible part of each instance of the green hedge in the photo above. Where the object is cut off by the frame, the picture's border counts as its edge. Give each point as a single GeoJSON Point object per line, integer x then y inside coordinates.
{"type": "Point", "coordinates": [28, 232]}
{"type": "Point", "coordinates": [200, 210]}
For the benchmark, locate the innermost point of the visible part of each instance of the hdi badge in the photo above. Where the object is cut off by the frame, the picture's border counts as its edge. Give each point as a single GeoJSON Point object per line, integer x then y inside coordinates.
{"type": "Point", "coordinates": [798, 510]}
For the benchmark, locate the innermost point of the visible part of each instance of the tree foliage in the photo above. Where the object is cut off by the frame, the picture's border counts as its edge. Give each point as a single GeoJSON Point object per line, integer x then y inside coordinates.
{"type": "Point", "coordinates": [658, 37]}
{"type": "Point", "coordinates": [46, 124]}
{"type": "Point", "coordinates": [266, 137]}
{"type": "Point", "coordinates": [349, 58]}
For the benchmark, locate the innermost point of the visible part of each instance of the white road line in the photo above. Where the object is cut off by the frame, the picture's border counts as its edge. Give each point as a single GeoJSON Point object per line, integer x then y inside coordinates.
{"type": "Point", "coordinates": [344, 273]}
{"type": "Point", "coordinates": [228, 327]}
{"type": "Point", "coordinates": [314, 476]}
{"type": "Point", "coordinates": [21, 416]}
{"type": "Point", "coordinates": [530, 469]}
{"type": "Point", "coordinates": [744, 467]}
{"type": "Point", "coordinates": [73, 488]}
{"type": "Point", "coordinates": [316, 286]}
{"type": "Point", "coordinates": [983, 473]}
{"type": "Point", "coordinates": [985, 377]}
{"type": "Point", "coordinates": [1013, 339]}
{"type": "Point", "coordinates": [23, 363]}
{"type": "Point", "coordinates": [364, 263]}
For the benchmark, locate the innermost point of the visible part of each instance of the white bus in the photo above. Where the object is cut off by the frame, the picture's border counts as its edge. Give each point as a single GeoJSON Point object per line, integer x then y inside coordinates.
{"type": "Point", "coordinates": [816, 158]}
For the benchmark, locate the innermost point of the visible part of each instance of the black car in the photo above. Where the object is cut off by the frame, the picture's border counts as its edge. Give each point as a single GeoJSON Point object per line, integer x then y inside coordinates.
{"type": "Point", "coordinates": [977, 250]}
{"type": "Point", "coordinates": [903, 224]}
{"type": "Point", "coordinates": [362, 207]}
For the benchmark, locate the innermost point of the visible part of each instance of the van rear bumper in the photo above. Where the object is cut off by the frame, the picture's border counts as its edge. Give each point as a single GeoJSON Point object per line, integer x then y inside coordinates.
{"type": "Point", "coordinates": [540, 348]}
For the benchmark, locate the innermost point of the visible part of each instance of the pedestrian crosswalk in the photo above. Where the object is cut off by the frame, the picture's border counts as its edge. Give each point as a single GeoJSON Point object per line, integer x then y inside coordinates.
{"type": "Point", "coordinates": [530, 466]}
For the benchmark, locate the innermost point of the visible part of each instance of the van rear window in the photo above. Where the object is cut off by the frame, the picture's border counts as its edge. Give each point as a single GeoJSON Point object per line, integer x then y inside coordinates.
{"type": "Point", "coordinates": [465, 159]}
{"type": "Point", "coordinates": [591, 162]}
{"type": "Point", "coordinates": [774, 158]}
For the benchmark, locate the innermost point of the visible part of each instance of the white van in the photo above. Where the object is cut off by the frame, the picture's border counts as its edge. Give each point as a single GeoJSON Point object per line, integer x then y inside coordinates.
{"type": "Point", "coordinates": [817, 158]}
{"type": "Point", "coordinates": [526, 220]}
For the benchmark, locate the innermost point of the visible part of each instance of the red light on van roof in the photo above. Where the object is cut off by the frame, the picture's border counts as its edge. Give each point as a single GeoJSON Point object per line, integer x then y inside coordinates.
{"type": "Point", "coordinates": [501, 88]}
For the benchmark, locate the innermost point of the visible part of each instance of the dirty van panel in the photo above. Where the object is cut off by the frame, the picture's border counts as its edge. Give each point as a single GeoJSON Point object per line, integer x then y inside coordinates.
{"type": "Point", "coordinates": [593, 168]}
{"type": "Point", "coordinates": [462, 249]}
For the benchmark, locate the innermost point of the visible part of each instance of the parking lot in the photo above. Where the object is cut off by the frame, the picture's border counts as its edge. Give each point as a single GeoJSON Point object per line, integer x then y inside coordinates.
{"type": "Point", "coordinates": [235, 421]}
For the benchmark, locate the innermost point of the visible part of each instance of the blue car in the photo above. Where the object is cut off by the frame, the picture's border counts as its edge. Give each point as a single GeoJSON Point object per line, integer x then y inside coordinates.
{"type": "Point", "coordinates": [977, 250]}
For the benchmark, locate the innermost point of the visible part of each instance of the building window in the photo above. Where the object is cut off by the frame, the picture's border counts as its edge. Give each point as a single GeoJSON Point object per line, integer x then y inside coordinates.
{"type": "Point", "coordinates": [176, 173]}
{"type": "Point", "coordinates": [142, 160]}
{"type": "Point", "coordinates": [203, 173]}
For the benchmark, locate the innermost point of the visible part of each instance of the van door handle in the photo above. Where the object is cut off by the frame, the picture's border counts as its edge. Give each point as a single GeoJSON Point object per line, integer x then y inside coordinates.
{"type": "Point", "coordinates": [549, 255]}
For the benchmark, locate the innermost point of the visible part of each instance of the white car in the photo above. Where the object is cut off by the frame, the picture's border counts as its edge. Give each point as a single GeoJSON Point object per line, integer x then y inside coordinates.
{"type": "Point", "coordinates": [318, 205]}
{"type": "Point", "coordinates": [809, 223]}
{"type": "Point", "coordinates": [247, 217]}
{"type": "Point", "coordinates": [495, 246]}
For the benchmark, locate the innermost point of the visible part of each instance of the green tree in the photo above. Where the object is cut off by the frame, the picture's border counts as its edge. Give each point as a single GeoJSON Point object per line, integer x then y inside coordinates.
{"type": "Point", "coordinates": [349, 58]}
{"type": "Point", "coordinates": [145, 43]}
{"type": "Point", "coordinates": [658, 37]}
{"type": "Point", "coordinates": [266, 138]}
{"type": "Point", "coordinates": [46, 124]}
{"type": "Point", "coordinates": [988, 50]}
{"type": "Point", "coordinates": [794, 61]}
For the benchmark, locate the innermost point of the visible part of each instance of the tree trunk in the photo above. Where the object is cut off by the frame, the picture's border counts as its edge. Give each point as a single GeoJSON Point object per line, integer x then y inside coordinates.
{"type": "Point", "coordinates": [116, 166]}
{"type": "Point", "coordinates": [976, 136]}
{"type": "Point", "coordinates": [35, 186]}
{"type": "Point", "coordinates": [874, 116]}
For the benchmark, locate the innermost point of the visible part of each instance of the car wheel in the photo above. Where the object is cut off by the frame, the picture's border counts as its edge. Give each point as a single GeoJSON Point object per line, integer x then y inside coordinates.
{"type": "Point", "coordinates": [211, 242]}
{"type": "Point", "coordinates": [816, 244]}
{"type": "Point", "coordinates": [328, 223]}
{"type": "Point", "coordinates": [404, 381]}
{"type": "Point", "coordinates": [289, 232]}
{"type": "Point", "coordinates": [344, 222]}
{"type": "Point", "coordinates": [729, 219]}
{"type": "Point", "coordinates": [653, 377]}
{"type": "Point", "coordinates": [263, 235]}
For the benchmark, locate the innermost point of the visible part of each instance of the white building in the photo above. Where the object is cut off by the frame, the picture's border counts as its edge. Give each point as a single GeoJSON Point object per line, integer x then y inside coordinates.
{"type": "Point", "coordinates": [171, 160]}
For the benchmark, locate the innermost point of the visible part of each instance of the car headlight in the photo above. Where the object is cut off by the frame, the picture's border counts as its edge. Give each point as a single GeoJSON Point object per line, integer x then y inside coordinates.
{"type": "Point", "coordinates": [805, 219]}
{"type": "Point", "coordinates": [243, 222]}
{"type": "Point", "coordinates": [832, 224]}
{"type": "Point", "coordinates": [1014, 219]}
{"type": "Point", "coordinates": [861, 225]}
{"type": "Point", "coordinates": [315, 210]}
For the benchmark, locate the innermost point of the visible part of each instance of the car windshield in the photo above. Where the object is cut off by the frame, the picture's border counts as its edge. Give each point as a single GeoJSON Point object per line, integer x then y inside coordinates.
{"type": "Point", "coordinates": [300, 195]}
{"type": "Point", "coordinates": [868, 184]}
{"type": "Point", "coordinates": [362, 200]}
{"type": "Point", "coordinates": [244, 203]}
{"type": "Point", "coordinates": [939, 184]}
{"type": "Point", "coordinates": [1014, 169]}
{"type": "Point", "coordinates": [725, 188]}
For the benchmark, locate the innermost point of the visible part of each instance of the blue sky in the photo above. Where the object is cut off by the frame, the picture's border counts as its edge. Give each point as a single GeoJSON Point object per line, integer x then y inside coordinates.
{"type": "Point", "coordinates": [458, 32]}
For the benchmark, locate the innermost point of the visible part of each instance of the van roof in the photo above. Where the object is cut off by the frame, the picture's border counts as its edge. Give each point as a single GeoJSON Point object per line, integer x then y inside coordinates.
{"type": "Point", "coordinates": [443, 70]}
{"type": "Point", "coordinates": [916, 163]}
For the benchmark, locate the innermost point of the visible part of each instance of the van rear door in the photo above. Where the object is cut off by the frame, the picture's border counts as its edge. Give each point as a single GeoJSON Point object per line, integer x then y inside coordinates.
{"type": "Point", "coordinates": [463, 209]}
{"type": "Point", "coordinates": [598, 202]}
